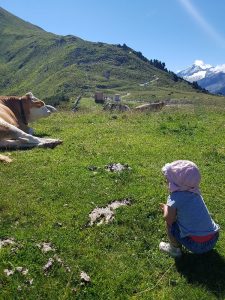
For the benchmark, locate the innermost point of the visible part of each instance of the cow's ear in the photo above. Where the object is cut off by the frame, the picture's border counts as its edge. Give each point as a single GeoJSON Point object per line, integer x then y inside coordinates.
{"type": "Point", "coordinates": [30, 95]}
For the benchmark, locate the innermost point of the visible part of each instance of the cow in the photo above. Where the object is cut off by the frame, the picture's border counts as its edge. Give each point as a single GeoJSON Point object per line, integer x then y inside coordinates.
{"type": "Point", "coordinates": [150, 106]}
{"type": "Point", "coordinates": [15, 114]}
{"type": "Point", "coordinates": [116, 107]}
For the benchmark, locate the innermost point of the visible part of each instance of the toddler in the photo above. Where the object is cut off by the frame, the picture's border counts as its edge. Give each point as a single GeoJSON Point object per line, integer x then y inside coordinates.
{"type": "Point", "coordinates": [188, 221]}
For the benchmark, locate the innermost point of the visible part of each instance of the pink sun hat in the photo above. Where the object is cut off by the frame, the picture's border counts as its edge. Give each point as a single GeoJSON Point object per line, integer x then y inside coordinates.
{"type": "Point", "coordinates": [182, 175]}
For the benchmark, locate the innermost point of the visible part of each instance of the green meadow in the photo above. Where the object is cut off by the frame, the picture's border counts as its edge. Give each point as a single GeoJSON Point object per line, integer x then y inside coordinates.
{"type": "Point", "coordinates": [48, 194]}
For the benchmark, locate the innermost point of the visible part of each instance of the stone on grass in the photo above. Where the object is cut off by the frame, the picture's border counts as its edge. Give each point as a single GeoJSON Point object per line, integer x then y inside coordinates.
{"type": "Point", "coordinates": [101, 215]}
{"type": "Point", "coordinates": [6, 242]}
{"type": "Point", "coordinates": [8, 272]}
{"type": "Point", "coordinates": [85, 278]}
{"type": "Point", "coordinates": [45, 247]}
{"type": "Point", "coordinates": [48, 265]}
{"type": "Point", "coordinates": [22, 270]}
{"type": "Point", "coordinates": [117, 167]}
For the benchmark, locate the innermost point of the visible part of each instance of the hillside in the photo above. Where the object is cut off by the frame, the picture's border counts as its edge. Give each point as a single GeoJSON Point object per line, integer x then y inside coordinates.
{"type": "Point", "coordinates": [58, 67]}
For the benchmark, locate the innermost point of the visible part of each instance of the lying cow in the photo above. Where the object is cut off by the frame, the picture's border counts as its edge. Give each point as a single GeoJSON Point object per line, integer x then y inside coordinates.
{"type": "Point", "coordinates": [150, 106]}
{"type": "Point", "coordinates": [116, 106]}
{"type": "Point", "coordinates": [15, 114]}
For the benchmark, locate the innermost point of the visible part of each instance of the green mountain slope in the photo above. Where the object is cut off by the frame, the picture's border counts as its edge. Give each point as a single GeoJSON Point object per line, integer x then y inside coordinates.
{"type": "Point", "coordinates": [57, 68]}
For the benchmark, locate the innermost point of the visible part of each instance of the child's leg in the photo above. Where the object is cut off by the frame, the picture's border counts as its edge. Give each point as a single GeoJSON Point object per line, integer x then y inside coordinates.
{"type": "Point", "coordinates": [173, 248]}
{"type": "Point", "coordinates": [171, 238]}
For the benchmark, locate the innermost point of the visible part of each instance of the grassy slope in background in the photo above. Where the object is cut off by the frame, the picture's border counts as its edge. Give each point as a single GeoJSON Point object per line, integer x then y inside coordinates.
{"type": "Point", "coordinates": [58, 68]}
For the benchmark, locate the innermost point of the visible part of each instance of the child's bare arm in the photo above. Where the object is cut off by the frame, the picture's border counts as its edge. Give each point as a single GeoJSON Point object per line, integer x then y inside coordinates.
{"type": "Point", "coordinates": [169, 213]}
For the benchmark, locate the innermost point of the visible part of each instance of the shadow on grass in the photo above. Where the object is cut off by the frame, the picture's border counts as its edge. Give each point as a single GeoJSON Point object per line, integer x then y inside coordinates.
{"type": "Point", "coordinates": [42, 135]}
{"type": "Point", "coordinates": [207, 270]}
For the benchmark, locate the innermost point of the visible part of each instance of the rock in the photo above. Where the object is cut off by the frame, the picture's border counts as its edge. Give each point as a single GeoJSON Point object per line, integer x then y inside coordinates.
{"type": "Point", "coordinates": [85, 277]}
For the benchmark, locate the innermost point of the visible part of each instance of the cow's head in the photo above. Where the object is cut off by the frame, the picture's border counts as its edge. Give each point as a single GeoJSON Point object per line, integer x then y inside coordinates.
{"type": "Point", "coordinates": [34, 108]}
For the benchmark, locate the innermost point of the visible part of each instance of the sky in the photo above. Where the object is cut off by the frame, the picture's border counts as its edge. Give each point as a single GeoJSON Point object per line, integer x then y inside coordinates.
{"type": "Point", "coordinates": [176, 32]}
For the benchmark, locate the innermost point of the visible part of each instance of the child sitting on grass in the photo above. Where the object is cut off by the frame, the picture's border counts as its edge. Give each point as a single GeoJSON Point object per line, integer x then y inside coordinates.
{"type": "Point", "coordinates": [188, 221]}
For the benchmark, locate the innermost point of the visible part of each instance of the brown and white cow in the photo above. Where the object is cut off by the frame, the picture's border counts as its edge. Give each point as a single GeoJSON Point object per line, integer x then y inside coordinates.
{"type": "Point", "coordinates": [151, 106]}
{"type": "Point", "coordinates": [15, 114]}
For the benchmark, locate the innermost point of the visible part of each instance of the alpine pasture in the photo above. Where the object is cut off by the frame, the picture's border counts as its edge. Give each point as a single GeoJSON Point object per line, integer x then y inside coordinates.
{"type": "Point", "coordinates": [47, 195]}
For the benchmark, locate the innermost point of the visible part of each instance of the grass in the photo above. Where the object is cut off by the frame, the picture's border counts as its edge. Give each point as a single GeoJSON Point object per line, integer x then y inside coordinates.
{"type": "Point", "coordinates": [46, 195]}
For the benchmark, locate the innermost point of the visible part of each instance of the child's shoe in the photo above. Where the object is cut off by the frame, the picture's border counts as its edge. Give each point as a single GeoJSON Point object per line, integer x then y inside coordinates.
{"type": "Point", "coordinates": [171, 250]}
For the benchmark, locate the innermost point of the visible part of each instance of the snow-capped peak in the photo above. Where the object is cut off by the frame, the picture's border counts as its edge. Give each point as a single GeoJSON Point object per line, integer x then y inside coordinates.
{"type": "Point", "coordinates": [208, 77]}
{"type": "Point", "coordinates": [219, 68]}
{"type": "Point", "coordinates": [201, 64]}
{"type": "Point", "coordinates": [196, 71]}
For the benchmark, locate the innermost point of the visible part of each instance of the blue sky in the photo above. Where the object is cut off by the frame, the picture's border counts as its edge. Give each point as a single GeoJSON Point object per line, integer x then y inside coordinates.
{"type": "Point", "coordinates": [176, 32]}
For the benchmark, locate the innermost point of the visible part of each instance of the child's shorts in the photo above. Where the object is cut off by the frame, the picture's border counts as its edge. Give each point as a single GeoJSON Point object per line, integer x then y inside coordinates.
{"type": "Point", "coordinates": [191, 245]}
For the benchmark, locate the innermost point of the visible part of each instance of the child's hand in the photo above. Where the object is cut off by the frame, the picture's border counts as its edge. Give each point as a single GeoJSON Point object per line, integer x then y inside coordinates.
{"type": "Point", "coordinates": [169, 213]}
{"type": "Point", "coordinates": [162, 206]}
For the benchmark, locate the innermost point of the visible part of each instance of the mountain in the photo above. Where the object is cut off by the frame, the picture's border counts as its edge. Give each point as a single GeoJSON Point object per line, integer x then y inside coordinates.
{"type": "Point", "coordinates": [56, 67]}
{"type": "Point", "coordinates": [208, 77]}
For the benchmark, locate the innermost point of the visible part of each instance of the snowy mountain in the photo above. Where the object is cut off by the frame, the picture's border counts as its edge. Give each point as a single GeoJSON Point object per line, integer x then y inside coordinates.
{"type": "Point", "coordinates": [208, 77]}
